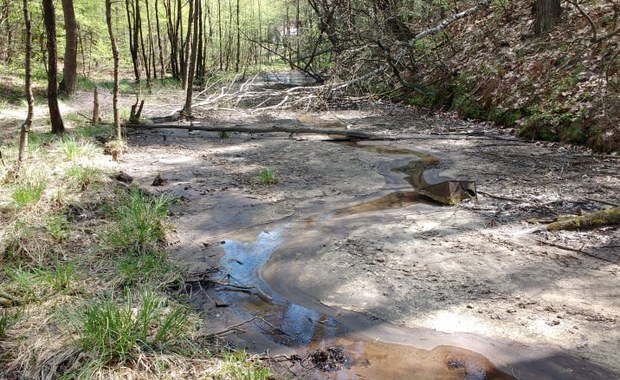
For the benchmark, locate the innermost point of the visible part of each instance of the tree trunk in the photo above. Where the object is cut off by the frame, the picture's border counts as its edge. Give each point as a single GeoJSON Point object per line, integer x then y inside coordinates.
{"type": "Point", "coordinates": [49, 17]}
{"type": "Point", "coordinates": [187, 46]}
{"type": "Point", "coordinates": [159, 44]}
{"type": "Point", "coordinates": [25, 129]}
{"type": "Point", "coordinates": [115, 55]}
{"type": "Point", "coordinates": [547, 14]}
{"type": "Point", "coordinates": [187, 108]}
{"type": "Point", "coordinates": [67, 85]}
{"type": "Point", "coordinates": [133, 27]}
{"type": "Point", "coordinates": [238, 53]}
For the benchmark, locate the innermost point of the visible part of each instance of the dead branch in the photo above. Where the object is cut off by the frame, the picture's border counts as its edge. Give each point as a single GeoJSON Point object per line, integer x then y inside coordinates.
{"type": "Point", "coordinates": [12, 301]}
{"type": "Point", "coordinates": [238, 325]}
{"type": "Point", "coordinates": [405, 50]}
{"type": "Point", "coordinates": [577, 250]}
{"type": "Point", "coordinates": [245, 289]}
{"type": "Point", "coordinates": [601, 218]}
{"type": "Point", "coordinates": [584, 14]}
{"type": "Point", "coordinates": [502, 198]}
{"type": "Point", "coordinates": [263, 129]}
{"type": "Point", "coordinates": [608, 203]}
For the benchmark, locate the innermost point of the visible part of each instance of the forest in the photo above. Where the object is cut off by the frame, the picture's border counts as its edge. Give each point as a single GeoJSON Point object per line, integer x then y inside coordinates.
{"type": "Point", "coordinates": [309, 189]}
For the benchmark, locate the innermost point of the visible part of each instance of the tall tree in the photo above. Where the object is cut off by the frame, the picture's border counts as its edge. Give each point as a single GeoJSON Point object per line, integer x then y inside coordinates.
{"type": "Point", "coordinates": [25, 129]}
{"type": "Point", "coordinates": [195, 12]}
{"type": "Point", "coordinates": [49, 18]}
{"type": "Point", "coordinates": [67, 85]}
{"type": "Point", "coordinates": [115, 56]}
{"type": "Point", "coordinates": [134, 26]}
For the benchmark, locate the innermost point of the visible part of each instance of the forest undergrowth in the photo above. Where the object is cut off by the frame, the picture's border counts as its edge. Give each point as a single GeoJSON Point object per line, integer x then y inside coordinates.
{"type": "Point", "coordinates": [561, 86]}
{"type": "Point", "coordinates": [87, 289]}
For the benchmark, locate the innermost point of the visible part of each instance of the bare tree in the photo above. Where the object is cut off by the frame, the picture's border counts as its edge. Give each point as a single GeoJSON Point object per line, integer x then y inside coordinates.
{"type": "Point", "coordinates": [49, 17]}
{"type": "Point", "coordinates": [25, 129]}
{"type": "Point", "coordinates": [115, 55]}
{"type": "Point", "coordinates": [195, 12]}
{"type": "Point", "coordinates": [67, 85]}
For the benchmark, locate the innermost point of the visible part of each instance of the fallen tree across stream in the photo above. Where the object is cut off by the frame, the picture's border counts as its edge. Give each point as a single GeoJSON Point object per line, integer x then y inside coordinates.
{"type": "Point", "coordinates": [263, 129]}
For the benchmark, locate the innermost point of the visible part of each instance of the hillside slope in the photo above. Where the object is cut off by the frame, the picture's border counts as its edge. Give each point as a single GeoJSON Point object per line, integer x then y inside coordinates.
{"type": "Point", "coordinates": [561, 86]}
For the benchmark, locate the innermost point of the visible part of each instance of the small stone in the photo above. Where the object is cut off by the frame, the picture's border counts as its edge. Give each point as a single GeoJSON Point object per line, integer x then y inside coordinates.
{"type": "Point", "coordinates": [469, 306]}
{"type": "Point", "coordinates": [159, 181]}
{"type": "Point", "coordinates": [124, 177]}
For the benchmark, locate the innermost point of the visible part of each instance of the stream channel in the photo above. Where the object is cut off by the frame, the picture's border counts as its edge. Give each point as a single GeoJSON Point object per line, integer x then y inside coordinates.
{"type": "Point", "coordinates": [257, 283]}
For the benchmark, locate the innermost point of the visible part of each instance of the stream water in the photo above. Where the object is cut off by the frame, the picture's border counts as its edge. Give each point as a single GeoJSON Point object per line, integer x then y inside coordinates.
{"type": "Point", "coordinates": [338, 344]}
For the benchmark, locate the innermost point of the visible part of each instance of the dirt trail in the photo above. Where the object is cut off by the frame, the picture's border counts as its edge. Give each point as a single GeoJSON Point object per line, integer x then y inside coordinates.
{"type": "Point", "coordinates": [475, 276]}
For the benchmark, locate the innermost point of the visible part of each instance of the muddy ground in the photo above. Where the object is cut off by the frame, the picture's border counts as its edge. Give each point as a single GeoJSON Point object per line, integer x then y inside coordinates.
{"type": "Point", "coordinates": [405, 270]}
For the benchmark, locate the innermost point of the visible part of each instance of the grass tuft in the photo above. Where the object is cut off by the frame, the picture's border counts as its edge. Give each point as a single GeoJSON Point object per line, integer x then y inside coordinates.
{"type": "Point", "coordinates": [267, 176]}
{"type": "Point", "coordinates": [83, 176]}
{"type": "Point", "coordinates": [74, 149]}
{"type": "Point", "coordinates": [29, 191]}
{"type": "Point", "coordinates": [236, 365]}
{"type": "Point", "coordinates": [140, 223]}
{"type": "Point", "coordinates": [119, 332]}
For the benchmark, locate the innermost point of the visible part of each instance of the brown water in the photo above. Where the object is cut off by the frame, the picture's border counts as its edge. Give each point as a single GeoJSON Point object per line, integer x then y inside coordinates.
{"type": "Point", "coordinates": [316, 333]}
{"type": "Point", "coordinates": [335, 344]}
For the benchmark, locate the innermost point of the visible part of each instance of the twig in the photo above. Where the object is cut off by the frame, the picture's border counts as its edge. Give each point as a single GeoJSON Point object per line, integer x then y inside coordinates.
{"type": "Point", "coordinates": [603, 202]}
{"type": "Point", "coordinates": [246, 289]}
{"type": "Point", "coordinates": [578, 250]}
{"type": "Point", "coordinates": [502, 198]}
{"type": "Point", "coordinates": [584, 14]}
{"type": "Point", "coordinates": [14, 300]}
{"type": "Point", "coordinates": [231, 328]}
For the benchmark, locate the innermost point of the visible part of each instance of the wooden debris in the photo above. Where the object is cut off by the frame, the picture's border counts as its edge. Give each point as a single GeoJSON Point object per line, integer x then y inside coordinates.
{"type": "Point", "coordinates": [601, 218]}
{"type": "Point", "coordinates": [260, 129]}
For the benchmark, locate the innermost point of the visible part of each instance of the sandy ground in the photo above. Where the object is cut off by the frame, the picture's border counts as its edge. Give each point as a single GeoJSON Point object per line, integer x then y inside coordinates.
{"type": "Point", "coordinates": [477, 268]}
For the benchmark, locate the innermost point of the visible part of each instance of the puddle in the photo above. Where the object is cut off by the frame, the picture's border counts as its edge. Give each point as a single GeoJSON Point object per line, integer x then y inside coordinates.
{"type": "Point", "coordinates": [378, 360]}
{"type": "Point", "coordinates": [422, 175]}
{"type": "Point", "coordinates": [296, 324]}
{"type": "Point", "coordinates": [396, 199]}
{"type": "Point", "coordinates": [332, 351]}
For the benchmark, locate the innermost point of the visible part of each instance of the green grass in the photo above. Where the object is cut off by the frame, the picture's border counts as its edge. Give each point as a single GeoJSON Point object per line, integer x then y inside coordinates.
{"type": "Point", "coordinates": [28, 192]}
{"type": "Point", "coordinates": [150, 267]}
{"type": "Point", "coordinates": [83, 176]}
{"type": "Point", "coordinates": [57, 226]}
{"type": "Point", "coordinates": [7, 318]}
{"type": "Point", "coordinates": [62, 276]}
{"type": "Point", "coordinates": [237, 366]}
{"type": "Point", "coordinates": [74, 148]}
{"type": "Point", "coordinates": [118, 332]}
{"type": "Point", "coordinates": [105, 131]}
{"type": "Point", "coordinates": [267, 176]}
{"type": "Point", "coordinates": [223, 135]}
{"type": "Point", "coordinates": [140, 223]}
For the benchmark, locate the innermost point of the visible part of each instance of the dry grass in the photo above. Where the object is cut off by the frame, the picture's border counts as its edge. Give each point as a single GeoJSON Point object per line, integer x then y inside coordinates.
{"type": "Point", "coordinates": [55, 264]}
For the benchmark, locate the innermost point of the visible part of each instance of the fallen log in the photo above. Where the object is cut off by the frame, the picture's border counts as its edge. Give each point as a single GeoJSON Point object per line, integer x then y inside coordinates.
{"type": "Point", "coordinates": [601, 218]}
{"type": "Point", "coordinates": [264, 129]}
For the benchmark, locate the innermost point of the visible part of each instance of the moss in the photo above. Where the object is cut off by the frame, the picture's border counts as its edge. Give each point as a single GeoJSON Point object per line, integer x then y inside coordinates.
{"type": "Point", "coordinates": [596, 219]}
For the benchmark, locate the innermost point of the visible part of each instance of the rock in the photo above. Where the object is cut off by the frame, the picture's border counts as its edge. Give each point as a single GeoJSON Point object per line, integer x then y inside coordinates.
{"type": "Point", "coordinates": [159, 181]}
{"type": "Point", "coordinates": [124, 177]}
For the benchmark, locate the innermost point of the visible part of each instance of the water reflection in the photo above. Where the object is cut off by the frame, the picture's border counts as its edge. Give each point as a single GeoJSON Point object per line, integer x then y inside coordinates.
{"type": "Point", "coordinates": [242, 263]}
